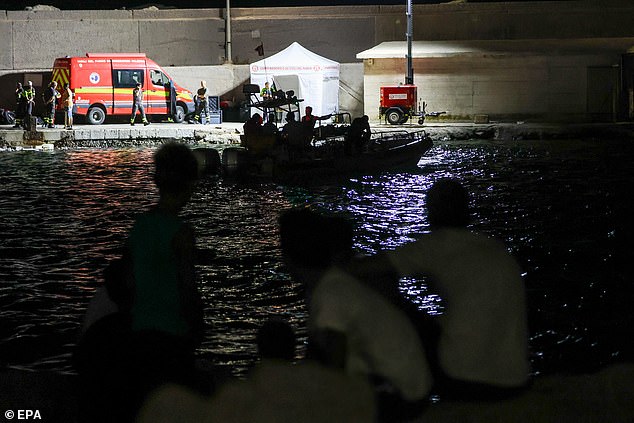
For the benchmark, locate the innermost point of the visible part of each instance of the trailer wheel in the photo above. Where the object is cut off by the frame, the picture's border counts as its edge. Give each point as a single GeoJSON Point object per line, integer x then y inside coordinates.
{"type": "Point", "coordinates": [96, 115]}
{"type": "Point", "coordinates": [179, 116]}
{"type": "Point", "coordinates": [394, 116]}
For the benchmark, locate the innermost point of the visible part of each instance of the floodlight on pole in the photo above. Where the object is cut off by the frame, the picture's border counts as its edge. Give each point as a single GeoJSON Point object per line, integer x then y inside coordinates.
{"type": "Point", "coordinates": [409, 79]}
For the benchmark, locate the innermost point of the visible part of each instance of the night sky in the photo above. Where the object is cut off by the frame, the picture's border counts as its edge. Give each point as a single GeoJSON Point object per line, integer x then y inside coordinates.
{"type": "Point", "coordinates": [182, 4]}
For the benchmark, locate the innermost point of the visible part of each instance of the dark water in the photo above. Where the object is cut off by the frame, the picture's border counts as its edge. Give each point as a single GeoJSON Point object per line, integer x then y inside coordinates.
{"type": "Point", "coordinates": [562, 207]}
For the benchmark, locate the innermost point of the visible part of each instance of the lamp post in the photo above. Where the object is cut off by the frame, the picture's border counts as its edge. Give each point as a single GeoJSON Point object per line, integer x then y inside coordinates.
{"type": "Point", "coordinates": [228, 32]}
{"type": "Point", "coordinates": [409, 79]}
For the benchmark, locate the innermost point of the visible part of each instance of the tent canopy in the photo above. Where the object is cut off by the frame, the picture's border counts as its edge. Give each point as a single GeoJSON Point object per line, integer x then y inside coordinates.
{"type": "Point", "coordinates": [313, 77]}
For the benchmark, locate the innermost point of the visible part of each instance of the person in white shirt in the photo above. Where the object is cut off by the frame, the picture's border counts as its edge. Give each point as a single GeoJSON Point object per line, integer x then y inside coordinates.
{"type": "Point", "coordinates": [350, 325]}
{"type": "Point", "coordinates": [482, 350]}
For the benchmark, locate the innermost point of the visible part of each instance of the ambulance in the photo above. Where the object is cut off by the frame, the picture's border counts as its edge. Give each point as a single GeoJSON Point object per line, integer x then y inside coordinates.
{"type": "Point", "coordinates": [103, 84]}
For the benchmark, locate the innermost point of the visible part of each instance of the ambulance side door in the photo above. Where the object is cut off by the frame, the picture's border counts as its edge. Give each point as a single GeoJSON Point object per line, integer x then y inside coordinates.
{"type": "Point", "coordinates": [158, 92]}
{"type": "Point", "coordinates": [123, 82]}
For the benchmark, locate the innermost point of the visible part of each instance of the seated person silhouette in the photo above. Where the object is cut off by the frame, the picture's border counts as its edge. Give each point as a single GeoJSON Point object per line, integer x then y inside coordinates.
{"type": "Point", "coordinates": [482, 350]}
{"type": "Point", "coordinates": [351, 326]}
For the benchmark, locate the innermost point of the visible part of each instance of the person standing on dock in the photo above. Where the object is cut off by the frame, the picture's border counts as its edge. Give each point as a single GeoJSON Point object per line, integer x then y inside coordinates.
{"type": "Point", "coordinates": [50, 100]}
{"type": "Point", "coordinates": [29, 103]}
{"type": "Point", "coordinates": [19, 105]}
{"type": "Point", "coordinates": [137, 104]}
{"type": "Point", "coordinates": [203, 103]}
{"type": "Point", "coordinates": [67, 103]}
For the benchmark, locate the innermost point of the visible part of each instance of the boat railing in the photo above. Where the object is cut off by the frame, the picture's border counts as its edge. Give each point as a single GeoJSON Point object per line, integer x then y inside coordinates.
{"type": "Point", "coordinates": [394, 138]}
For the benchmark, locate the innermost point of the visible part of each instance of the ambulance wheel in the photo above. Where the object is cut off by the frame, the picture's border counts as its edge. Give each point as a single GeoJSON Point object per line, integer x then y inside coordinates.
{"type": "Point", "coordinates": [394, 116]}
{"type": "Point", "coordinates": [179, 116]}
{"type": "Point", "coordinates": [96, 115]}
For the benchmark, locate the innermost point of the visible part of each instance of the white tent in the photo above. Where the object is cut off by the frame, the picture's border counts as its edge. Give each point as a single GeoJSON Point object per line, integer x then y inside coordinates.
{"type": "Point", "coordinates": [313, 78]}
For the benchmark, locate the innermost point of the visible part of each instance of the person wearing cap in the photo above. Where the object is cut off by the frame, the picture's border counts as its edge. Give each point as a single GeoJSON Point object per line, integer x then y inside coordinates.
{"type": "Point", "coordinates": [137, 104]}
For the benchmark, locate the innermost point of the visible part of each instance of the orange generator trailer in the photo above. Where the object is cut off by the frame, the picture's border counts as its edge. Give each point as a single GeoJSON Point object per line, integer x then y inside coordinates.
{"type": "Point", "coordinates": [103, 82]}
{"type": "Point", "coordinates": [398, 104]}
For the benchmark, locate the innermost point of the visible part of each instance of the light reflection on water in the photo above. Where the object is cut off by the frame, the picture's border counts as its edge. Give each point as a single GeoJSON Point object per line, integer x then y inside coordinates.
{"type": "Point", "coordinates": [558, 205]}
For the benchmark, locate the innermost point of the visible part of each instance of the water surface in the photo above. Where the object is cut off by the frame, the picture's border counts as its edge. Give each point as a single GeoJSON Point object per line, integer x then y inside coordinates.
{"type": "Point", "coordinates": [560, 206]}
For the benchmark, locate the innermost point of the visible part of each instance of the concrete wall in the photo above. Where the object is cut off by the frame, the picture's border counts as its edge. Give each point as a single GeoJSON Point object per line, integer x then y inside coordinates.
{"type": "Point", "coordinates": [186, 39]}
{"type": "Point", "coordinates": [547, 87]}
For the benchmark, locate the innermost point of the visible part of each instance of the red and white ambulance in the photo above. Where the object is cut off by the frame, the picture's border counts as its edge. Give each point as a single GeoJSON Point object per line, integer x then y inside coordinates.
{"type": "Point", "coordinates": [103, 84]}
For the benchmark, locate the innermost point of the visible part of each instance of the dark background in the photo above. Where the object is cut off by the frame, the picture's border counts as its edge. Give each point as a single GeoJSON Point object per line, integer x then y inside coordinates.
{"type": "Point", "coordinates": [186, 4]}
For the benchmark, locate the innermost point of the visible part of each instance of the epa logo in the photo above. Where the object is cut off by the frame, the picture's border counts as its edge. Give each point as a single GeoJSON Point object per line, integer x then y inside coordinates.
{"type": "Point", "coordinates": [94, 77]}
{"type": "Point", "coordinates": [23, 415]}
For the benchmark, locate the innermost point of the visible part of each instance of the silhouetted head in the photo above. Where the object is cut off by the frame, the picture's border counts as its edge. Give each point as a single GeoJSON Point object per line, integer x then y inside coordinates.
{"type": "Point", "coordinates": [309, 110]}
{"type": "Point", "coordinates": [448, 204]}
{"type": "Point", "coordinates": [313, 241]}
{"type": "Point", "coordinates": [290, 117]}
{"type": "Point", "coordinates": [19, 85]}
{"type": "Point", "coordinates": [176, 168]}
{"type": "Point", "coordinates": [276, 340]}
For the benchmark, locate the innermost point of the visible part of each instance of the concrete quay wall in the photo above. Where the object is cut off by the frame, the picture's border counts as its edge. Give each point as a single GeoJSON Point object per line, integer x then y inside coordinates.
{"type": "Point", "coordinates": [196, 37]}
{"type": "Point", "coordinates": [120, 136]}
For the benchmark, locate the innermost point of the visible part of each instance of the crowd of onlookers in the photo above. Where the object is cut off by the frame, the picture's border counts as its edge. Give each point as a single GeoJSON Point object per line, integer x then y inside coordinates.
{"type": "Point", "coordinates": [371, 354]}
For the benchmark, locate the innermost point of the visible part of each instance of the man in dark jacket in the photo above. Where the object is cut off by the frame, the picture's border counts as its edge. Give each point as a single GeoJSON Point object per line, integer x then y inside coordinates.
{"type": "Point", "coordinates": [19, 105]}
{"type": "Point", "coordinates": [50, 101]}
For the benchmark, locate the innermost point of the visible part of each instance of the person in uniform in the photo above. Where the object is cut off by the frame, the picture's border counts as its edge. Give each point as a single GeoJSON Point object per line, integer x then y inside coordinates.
{"type": "Point", "coordinates": [29, 103]}
{"type": "Point", "coordinates": [137, 104]}
{"type": "Point", "coordinates": [266, 93]}
{"type": "Point", "coordinates": [203, 103]}
{"type": "Point", "coordinates": [50, 100]}
{"type": "Point", "coordinates": [19, 105]}
{"type": "Point", "coordinates": [172, 102]}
